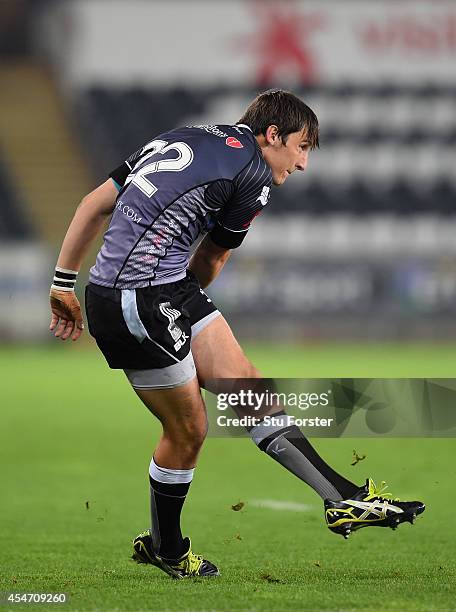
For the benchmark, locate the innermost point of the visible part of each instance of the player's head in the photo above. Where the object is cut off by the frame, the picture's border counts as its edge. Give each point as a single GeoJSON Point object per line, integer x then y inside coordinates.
{"type": "Point", "coordinates": [286, 130]}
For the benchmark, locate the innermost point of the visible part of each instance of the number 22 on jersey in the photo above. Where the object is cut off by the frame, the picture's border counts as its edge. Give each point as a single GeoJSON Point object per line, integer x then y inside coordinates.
{"type": "Point", "coordinates": [139, 178]}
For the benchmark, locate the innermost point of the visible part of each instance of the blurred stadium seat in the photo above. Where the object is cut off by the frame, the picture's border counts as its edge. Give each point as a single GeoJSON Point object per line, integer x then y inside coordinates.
{"type": "Point", "coordinates": [14, 223]}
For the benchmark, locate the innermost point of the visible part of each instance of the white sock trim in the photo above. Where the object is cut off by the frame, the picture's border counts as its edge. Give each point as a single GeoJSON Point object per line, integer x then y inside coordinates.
{"type": "Point", "coordinates": [168, 475]}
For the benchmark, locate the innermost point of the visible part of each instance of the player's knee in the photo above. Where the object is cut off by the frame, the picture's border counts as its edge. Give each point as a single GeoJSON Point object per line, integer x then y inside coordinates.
{"type": "Point", "coordinates": [196, 436]}
{"type": "Point", "coordinates": [189, 453]}
{"type": "Point", "coordinates": [189, 437]}
{"type": "Point", "coordinates": [189, 448]}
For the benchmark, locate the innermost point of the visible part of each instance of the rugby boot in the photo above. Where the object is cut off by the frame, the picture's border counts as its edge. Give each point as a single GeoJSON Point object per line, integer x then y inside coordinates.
{"type": "Point", "coordinates": [369, 507]}
{"type": "Point", "coordinates": [188, 565]}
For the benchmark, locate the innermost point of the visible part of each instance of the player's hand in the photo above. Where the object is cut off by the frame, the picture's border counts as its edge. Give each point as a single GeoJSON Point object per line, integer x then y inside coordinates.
{"type": "Point", "coordinates": [66, 317]}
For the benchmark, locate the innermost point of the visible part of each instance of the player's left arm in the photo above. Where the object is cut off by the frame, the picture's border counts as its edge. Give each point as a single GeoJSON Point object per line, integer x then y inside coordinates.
{"type": "Point", "coordinates": [208, 261]}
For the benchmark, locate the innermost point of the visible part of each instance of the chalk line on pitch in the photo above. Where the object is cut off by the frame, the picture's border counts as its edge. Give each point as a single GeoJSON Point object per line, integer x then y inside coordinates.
{"type": "Point", "coordinates": [275, 504]}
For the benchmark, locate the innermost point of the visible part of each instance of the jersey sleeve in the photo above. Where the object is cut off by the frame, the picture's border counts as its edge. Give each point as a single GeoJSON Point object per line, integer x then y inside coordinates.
{"type": "Point", "coordinates": [243, 199]}
{"type": "Point", "coordinates": [119, 174]}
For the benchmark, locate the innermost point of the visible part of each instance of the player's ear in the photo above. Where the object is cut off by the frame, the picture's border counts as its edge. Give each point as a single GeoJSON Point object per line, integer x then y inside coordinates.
{"type": "Point", "coordinates": [272, 135]}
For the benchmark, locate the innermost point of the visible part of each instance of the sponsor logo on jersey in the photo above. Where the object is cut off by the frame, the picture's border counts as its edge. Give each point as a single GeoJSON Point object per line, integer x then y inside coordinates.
{"type": "Point", "coordinates": [264, 197]}
{"type": "Point", "coordinates": [128, 212]}
{"type": "Point", "coordinates": [231, 141]}
{"type": "Point", "coordinates": [210, 129]}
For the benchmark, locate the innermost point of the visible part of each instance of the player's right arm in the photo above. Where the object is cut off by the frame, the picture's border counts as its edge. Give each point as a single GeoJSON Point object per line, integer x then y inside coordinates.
{"type": "Point", "coordinates": [208, 261]}
{"type": "Point", "coordinates": [242, 200]}
{"type": "Point", "coordinates": [87, 223]}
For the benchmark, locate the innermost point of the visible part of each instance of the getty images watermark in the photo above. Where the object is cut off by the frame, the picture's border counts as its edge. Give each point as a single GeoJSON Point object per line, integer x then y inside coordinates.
{"type": "Point", "coordinates": [250, 407]}
{"type": "Point", "coordinates": [333, 408]}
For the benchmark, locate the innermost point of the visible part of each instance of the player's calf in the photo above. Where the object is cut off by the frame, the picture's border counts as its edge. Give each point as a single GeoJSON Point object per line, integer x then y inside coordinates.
{"type": "Point", "coordinates": [183, 417]}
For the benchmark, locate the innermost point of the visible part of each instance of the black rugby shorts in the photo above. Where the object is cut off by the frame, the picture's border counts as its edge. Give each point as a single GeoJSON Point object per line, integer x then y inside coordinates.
{"type": "Point", "coordinates": [147, 332]}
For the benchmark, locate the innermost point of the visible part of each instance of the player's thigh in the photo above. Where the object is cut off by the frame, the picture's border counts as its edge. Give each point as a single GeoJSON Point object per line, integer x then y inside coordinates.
{"type": "Point", "coordinates": [217, 354]}
{"type": "Point", "coordinates": [180, 410]}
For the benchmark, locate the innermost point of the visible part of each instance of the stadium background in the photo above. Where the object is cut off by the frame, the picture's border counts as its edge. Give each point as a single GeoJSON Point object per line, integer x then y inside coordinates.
{"type": "Point", "coordinates": [349, 272]}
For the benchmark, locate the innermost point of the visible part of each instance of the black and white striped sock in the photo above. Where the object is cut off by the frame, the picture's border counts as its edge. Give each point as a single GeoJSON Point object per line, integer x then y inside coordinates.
{"type": "Point", "coordinates": [168, 490]}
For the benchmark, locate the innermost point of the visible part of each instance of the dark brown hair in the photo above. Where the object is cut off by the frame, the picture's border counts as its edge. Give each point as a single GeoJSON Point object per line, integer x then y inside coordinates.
{"type": "Point", "coordinates": [286, 111]}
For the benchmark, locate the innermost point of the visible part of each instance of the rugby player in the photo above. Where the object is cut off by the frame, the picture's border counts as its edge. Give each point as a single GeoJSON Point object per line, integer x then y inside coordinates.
{"type": "Point", "coordinates": [148, 312]}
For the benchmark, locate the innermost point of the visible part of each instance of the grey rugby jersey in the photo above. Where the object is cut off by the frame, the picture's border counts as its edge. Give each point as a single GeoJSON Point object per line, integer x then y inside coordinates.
{"type": "Point", "coordinates": [186, 182]}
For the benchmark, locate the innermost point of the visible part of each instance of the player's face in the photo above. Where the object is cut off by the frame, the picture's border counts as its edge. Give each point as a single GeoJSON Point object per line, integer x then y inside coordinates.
{"type": "Point", "coordinates": [286, 157]}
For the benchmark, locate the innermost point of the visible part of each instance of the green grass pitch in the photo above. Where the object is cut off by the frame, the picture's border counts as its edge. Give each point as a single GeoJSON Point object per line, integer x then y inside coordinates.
{"type": "Point", "coordinates": [75, 445]}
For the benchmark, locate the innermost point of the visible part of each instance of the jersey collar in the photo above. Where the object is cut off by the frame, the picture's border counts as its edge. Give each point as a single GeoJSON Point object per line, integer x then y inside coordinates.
{"type": "Point", "coordinates": [244, 125]}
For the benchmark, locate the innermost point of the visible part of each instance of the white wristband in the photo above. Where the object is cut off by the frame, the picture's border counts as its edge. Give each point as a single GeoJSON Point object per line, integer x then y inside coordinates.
{"type": "Point", "coordinates": [64, 279]}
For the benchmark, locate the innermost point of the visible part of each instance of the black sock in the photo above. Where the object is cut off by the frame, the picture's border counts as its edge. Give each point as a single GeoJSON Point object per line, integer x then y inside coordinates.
{"type": "Point", "coordinates": [289, 447]}
{"type": "Point", "coordinates": [166, 501]}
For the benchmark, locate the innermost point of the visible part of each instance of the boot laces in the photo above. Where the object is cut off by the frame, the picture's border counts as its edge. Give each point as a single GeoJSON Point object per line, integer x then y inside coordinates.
{"type": "Point", "coordinates": [379, 491]}
{"type": "Point", "coordinates": [191, 564]}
